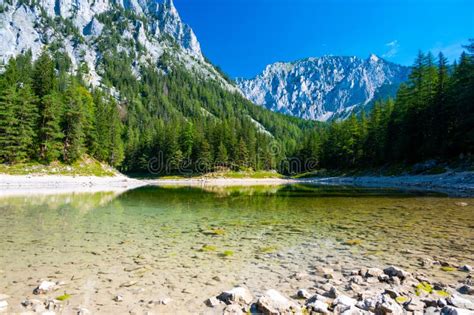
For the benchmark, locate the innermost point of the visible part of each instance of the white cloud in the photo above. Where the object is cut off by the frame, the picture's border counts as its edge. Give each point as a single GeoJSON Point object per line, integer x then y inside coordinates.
{"type": "Point", "coordinates": [452, 51]}
{"type": "Point", "coordinates": [392, 49]}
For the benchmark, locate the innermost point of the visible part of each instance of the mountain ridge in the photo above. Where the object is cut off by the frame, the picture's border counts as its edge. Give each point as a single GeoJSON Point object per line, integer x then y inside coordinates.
{"type": "Point", "coordinates": [322, 88]}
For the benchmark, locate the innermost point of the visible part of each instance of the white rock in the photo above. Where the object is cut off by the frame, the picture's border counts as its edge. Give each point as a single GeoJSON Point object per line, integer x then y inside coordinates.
{"type": "Point", "coordinates": [466, 268]}
{"type": "Point", "coordinates": [239, 295]}
{"type": "Point", "coordinates": [460, 302]}
{"type": "Point", "coordinates": [303, 294]}
{"type": "Point", "coordinates": [344, 300]}
{"type": "Point", "coordinates": [3, 304]}
{"type": "Point", "coordinates": [118, 298]}
{"type": "Point", "coordinates": [273, 302]}
{"type": "Point", "coordinates": [374, 272]}
{"type": "Point", "coordinates": [44, 287]}
{"type": "Point", "coordinates": [318, 306]}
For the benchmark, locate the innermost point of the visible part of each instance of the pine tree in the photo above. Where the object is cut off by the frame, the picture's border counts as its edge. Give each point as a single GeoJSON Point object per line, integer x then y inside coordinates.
{"type": "Point", "coordinates": [74, 125]}
{"type": "Point", "coordinates": [8, 124]}
{"type": "Point", "coordinates": [51, 135]}
{"type": "Point", "coordinates": [44, 76]}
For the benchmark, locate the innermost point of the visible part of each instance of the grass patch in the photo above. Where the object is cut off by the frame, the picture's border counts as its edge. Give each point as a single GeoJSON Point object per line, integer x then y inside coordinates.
{"type": "Point", "coordinates": [441, 293]}
{"type": "Point", "coordinates": [63, 297]}
{"type": "Point", "coordinates": [214, 231]}
{"type": "Point", "coordinates": [268, 249]}
{"type": "Point", "coordinates": [227, 253]}
{"type": "Point", "coordinates": [85, 166]}
{"type": "Point", "coordinates": [208, 248]}
{"type": "Point", "coordinates": [401, 299]}
{"type": "Point", "coordinates": [353, 242]}
{"type": "Point", "coordinates": [423, 287]}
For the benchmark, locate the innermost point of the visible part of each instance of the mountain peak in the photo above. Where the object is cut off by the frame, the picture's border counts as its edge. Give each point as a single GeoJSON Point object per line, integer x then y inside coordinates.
{"type": "Point", "coordinates": [323, 88]}
{"type": "Point", "coordinates": [93, 31]}
{"type": "Point", "coordinates": [374, 58]}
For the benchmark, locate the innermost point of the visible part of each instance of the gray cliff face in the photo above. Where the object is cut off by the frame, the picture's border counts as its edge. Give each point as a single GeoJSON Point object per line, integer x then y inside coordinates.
{"type": "Point", "coordinates": [144, 29]}
{"type": "Point", "coordinates": [324, 88]}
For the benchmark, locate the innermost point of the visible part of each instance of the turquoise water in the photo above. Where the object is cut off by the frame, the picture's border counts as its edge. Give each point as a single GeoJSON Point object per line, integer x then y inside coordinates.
{"type": "Point", "coordinates": [155, 242]}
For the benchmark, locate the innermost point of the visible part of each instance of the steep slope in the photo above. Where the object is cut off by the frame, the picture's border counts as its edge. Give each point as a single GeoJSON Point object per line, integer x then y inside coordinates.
{"type": "Point", "coordinates": [324, 88]}
{"type": "Point", "coordinates": [87, 30]}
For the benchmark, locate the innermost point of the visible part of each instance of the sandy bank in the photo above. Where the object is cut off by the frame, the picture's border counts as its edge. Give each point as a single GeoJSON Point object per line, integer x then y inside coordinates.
{"type": "Point", "coordinates": [46, 184]}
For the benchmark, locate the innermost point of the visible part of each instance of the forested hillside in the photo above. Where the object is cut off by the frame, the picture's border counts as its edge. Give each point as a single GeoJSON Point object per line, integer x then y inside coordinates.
{"type": "Point", "coordinates": [47, 114]}
{"type": "Point", "coordinates": [177, 121]}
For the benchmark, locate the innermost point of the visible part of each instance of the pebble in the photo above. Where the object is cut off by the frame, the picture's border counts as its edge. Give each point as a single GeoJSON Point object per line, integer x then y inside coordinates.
{"type": "Point", "coordinates": [212, 302]}
{"type": "Point", "coordinates": [466, 289]}
{"type": "Point", "coordinates": [118, 298]}
{"type": "Point", "coordinates": [233, 309]}
{"type": "Point", "coordinates": [374, 272]}
{"type": "Point", "coordinates": [239, 295]}
{"type": "Point", "coordinates": [393, 271]}
{"type": "Point", "coordinates": [460, 302]}
{"type": "Point", "coordinates": [303, 294]}
{"type": "Point", "coordinates": [449, 310]}
{"type": "Point", "coordinates": [465, 268]}
{"type": "Point", "coordinates": [45, 287]}
{"type": "Point", "coordinates": [318, 307]}
{"type": "Point", "coordinates": [273, 302]}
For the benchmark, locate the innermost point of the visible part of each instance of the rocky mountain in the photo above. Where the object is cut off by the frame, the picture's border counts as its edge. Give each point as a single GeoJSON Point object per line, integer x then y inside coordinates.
{"type": "Point", "coordinates": [324, 88]}
{"type": "Point", "coordinates": [88, 30]}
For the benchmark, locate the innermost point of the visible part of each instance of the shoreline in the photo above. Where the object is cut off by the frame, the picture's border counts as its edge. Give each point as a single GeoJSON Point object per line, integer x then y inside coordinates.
{"type": "Point", "coordinates": [457, 184]}
{"type": "Point", "coordinates": [56, 184]}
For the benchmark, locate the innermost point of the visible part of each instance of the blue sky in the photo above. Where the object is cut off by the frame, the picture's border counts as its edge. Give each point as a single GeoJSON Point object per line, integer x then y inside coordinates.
{"type": "Point", "coordinates": [243, 36]}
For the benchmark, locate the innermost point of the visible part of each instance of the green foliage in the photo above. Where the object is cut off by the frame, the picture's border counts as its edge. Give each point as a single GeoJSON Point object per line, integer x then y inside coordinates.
{"type": "Point", "coordinates": [45, 117]}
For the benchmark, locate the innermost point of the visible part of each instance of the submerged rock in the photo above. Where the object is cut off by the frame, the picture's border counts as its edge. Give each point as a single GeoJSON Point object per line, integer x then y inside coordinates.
{"type": "Point", "coordinates": [374, 272]}
{"type": "Point", "coordinates": [274, 303]}
{"type": "Point", "coordinates": [318, 306]}
{"type": "Point", "coordinates": [460, 302]}
{"type": "Point", "coordinates": [393, 271]}
{"type": "Point", "coordinates": [118, 298]}
{"type": "Point", "coordinates": [465, 268]}
{"type": "Point", "coordinates": [303, 294]}
{"type": "Point", "coordinates": [239, 295]}
{"type": "Point", "coordinates": [386, 305]}
{"type": "Point", "coordinates": [212, 301]}
{"type": "Point", "coordinates": [466, 289]}
{"type": "Point", "coordinates": [45, 287]}
{"type": "Point", "coordinates": [449, 310]}
{"type": "Point", "coordinates": [233, 309]}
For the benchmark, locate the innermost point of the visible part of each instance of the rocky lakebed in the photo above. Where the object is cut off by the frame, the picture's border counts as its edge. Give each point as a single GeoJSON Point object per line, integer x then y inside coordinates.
{"type": "Point", "coordinates": [249, 250]}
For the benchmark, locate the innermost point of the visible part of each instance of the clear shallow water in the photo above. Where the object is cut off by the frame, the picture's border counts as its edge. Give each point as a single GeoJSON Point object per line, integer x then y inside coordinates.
{"type": "Point", "coordinates": [189, 243]}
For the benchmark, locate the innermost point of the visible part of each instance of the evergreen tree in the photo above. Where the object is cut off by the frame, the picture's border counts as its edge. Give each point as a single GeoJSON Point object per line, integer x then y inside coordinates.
{"type": "Point", "coordinates": [51, 135]}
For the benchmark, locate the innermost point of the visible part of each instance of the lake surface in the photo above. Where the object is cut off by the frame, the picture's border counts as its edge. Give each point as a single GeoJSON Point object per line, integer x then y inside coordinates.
{"type": "Point", "coordinates": [188, 244]}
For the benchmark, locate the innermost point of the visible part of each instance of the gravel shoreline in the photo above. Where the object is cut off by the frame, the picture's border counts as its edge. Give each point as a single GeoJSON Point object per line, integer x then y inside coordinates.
{"type": "Point", "coordinates": [459, 184]}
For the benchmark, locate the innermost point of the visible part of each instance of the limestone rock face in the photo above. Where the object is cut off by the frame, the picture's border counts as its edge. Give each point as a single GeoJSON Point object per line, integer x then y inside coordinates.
{"type": "Point", "coordinates": [87, 30]}
{"type": "Point", "coordinates": [324, 88]}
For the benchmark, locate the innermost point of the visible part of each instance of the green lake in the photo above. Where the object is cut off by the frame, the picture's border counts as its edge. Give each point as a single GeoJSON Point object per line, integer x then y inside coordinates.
{"type": "Point", "coordinates": [188, 244]}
